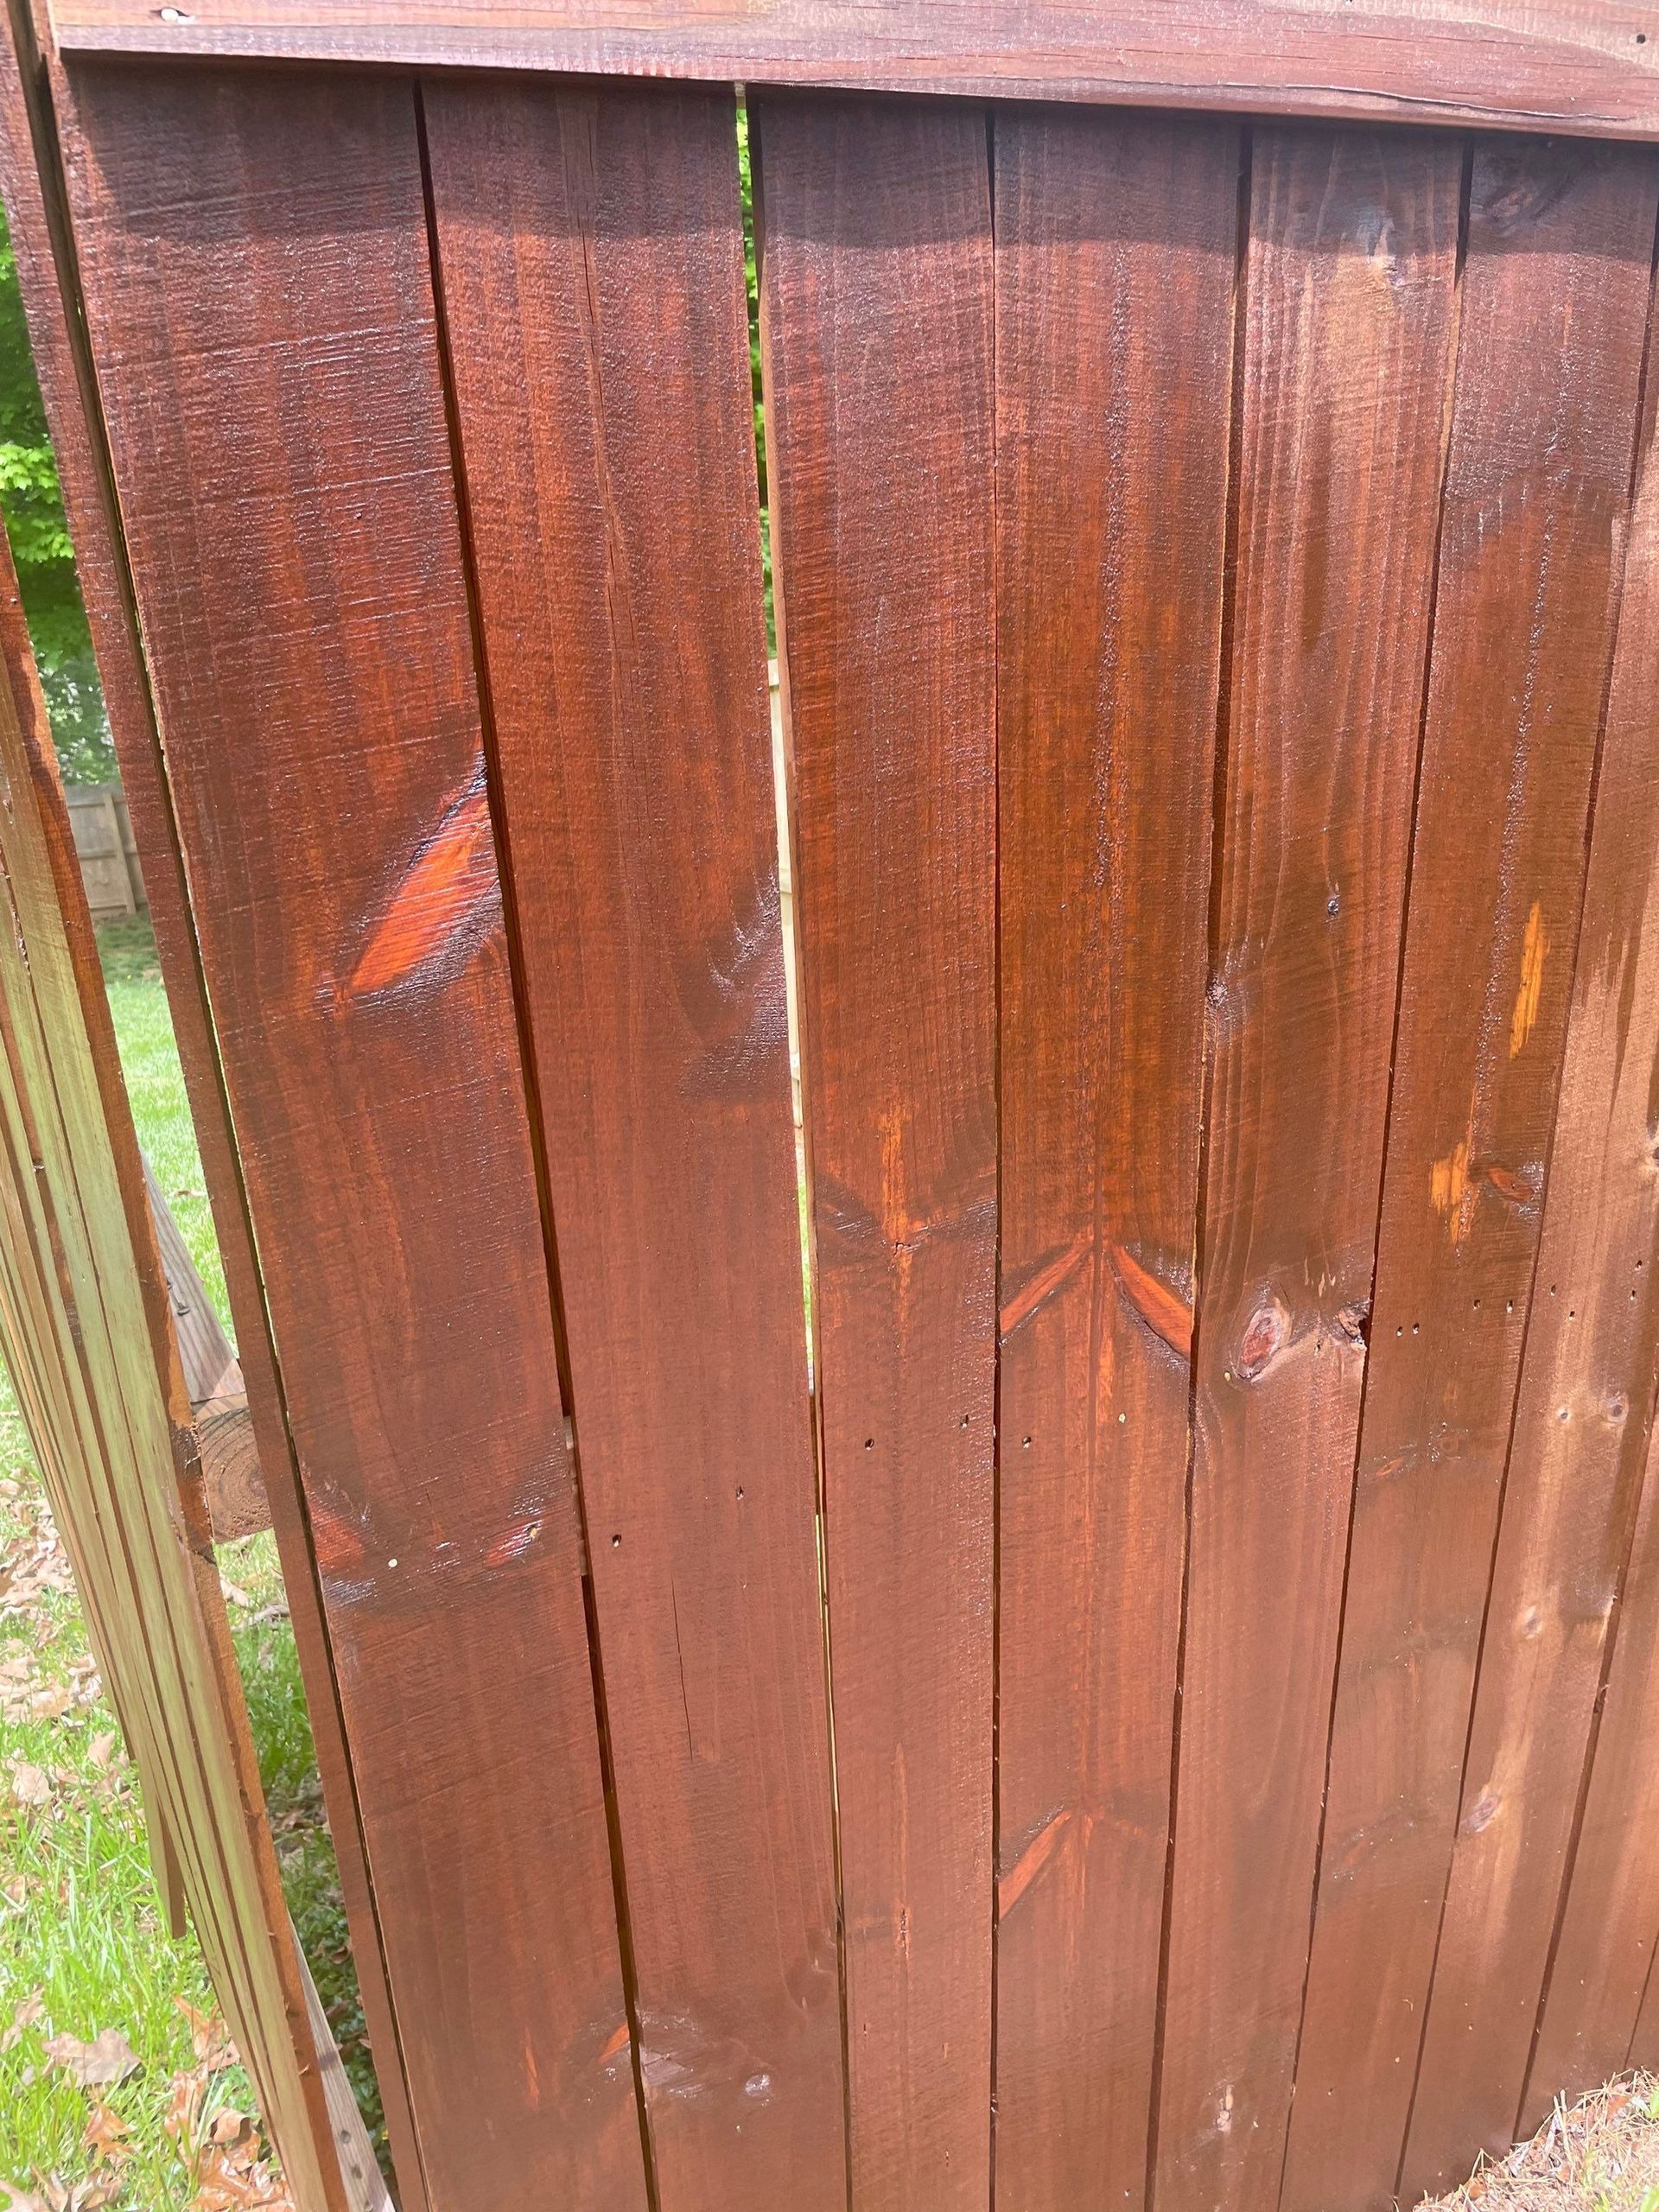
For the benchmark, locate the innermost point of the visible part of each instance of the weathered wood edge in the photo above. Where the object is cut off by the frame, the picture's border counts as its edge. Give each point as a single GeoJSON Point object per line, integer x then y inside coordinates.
{"type": "Point", "coordinates": [1562, 66]}
{"type": "Point", "coordinates": [365, 2189]}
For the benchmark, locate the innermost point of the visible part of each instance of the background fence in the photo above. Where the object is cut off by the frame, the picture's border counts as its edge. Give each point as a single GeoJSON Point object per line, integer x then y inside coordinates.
{"type": "Point", "coordinates": [109, 856]}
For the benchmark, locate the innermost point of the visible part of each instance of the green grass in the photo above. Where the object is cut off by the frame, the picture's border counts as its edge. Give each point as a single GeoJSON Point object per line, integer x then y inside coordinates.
{"type": "Point", "coordinates": [79, 1921]}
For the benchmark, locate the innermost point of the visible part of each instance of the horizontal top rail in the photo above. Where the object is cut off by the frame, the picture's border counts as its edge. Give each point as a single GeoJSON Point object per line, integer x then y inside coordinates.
{"type": "Point", "coordinates": [1586, 66]}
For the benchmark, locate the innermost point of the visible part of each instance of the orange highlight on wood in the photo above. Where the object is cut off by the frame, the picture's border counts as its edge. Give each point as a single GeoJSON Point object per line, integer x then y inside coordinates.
{"type": "Point", "coordinates": [1164, 1310]}
{"type": "Point", "coordinates": [1534, 946]}
{"type": "Point", "coordinates": [453, 872]}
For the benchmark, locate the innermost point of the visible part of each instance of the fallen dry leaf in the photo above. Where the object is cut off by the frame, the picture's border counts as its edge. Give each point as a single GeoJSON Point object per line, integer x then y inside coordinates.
{"type": "Point", "coordinates": [210, 2039]}
{"type": "Point", "coordinates": [107, 2136]}
{"type": "Point", "coordinates": [182, 2117]}
{"type": "Point", "coordinates": [224, 2155]}
{"type": "Point", "coordinates": [30, 2009]}
{"type": "Point", "coordinates": [101, 1749]}
{"type": "Point", "coordinates": [29, 1785]}
{"type": "Point", "coordinates": [50, 1703]}
{"type": "Point", "coordinates": [107, 2059]}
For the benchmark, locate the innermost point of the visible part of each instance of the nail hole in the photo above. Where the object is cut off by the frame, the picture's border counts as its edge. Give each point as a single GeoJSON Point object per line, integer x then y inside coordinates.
{"type": "Point", "coordinates": [616, 1543]}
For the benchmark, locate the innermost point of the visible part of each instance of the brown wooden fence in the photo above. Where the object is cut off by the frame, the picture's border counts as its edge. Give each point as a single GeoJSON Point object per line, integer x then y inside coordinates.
{"type": "Point", "coordinates": [1155, 1704]}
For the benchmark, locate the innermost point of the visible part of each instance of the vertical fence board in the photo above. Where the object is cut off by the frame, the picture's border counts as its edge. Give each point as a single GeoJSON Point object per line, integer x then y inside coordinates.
{"type": "Point", "coordinates": [1116, 244]}
{"type": "Point", "coordinates": [1539, 450]}
{"type": "Point", "coordinates": [877, 300]}
{"type": "Point", "coordinates": [254, 257]}
{"type": "Point", "coordinates": [46, 279]}
{"type": "Point", "coordinates": [1611, 1917]}
{"type": "Point", "coordinates": [1606, 1360]}
{"type": "Point", "coordinates": [592, 252]}
{"type": "Point", "coordinates": [1574, 1460]}
{"type": "Point", "coordinates": [1348, 288]}
{"type": "Point", "coordinates": [1535, 479]}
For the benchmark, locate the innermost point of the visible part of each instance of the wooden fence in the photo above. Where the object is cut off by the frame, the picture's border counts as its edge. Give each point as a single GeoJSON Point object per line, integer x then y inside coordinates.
{"type": "Point", "coordinates": [106, 848]}
{"type": "Point", "coordinates": [1154, 1703]}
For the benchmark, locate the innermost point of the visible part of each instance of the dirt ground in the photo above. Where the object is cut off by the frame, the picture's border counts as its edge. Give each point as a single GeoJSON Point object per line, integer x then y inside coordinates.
{"type": "Point", "coordinates": [1598, 2155]}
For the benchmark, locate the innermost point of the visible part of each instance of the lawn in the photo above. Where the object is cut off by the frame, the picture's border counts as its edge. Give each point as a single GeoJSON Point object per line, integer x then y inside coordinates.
{"type": "Point", "coordinates": [83, 1953]}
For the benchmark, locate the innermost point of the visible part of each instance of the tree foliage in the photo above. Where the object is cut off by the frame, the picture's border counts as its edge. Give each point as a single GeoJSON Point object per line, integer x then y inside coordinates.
{"type": "Point", "coordinates": [33, 503]}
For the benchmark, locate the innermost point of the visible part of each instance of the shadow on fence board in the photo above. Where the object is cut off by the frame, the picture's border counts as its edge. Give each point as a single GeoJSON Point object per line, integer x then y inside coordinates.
{"type": "Point", "coordinates": [1131, 1682]}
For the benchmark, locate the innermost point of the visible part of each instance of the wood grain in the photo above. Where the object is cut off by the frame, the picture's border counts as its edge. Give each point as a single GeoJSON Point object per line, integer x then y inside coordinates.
{"type": "Point", "coordinates": [38, 224]}
{"type": "Point", "coordinates": [1536, 472]}
{"type": "Point", "coordinates": [1116, 251]}
{"type": "Point", "coordinates": [1559, 64]}
{"type": "Point", "coordinates": [256, 266]}
{"type": "Point", "coordinates": [1348, 288]}
{"type": "Point", "coordinates": [1607, 1362]}
{"type": "Point", "coordinates": [592, 252]}
{"type": "Point", "coordinates": [1576, 1455]}
{"type": "Point", "coordinates": [1552, 317]}
{"type": "Point", "coordinates": [1602, 1963]}
{"type": "Point", "coordinates": [227, 1457]}
{"type": "Point", "coordinates": [877, 324]}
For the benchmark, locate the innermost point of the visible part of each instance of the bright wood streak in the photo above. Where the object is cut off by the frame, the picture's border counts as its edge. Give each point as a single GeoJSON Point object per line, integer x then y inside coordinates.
{"type": "Point", "coordinates": [592, 251]}
{"type": "Point", "coordinates": [876, 295]}
{"type": "Point", "coordinates": [37, 223]}
{"type": "Point", "coordinates": [255, 265]}
{"type": "Point", "coordinates": [1572, 1482]}
{"type": "Point", "coordinates": [1573, 65]}
{"type": "Point", "coordinates": [1348, 288]}
{"type": "Point", "coordinates": [1551, 318]}
{"type": "Point", "coordinates": [1606, 1152]}
{"type": "Point", "coordinates": [1117, 247]}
